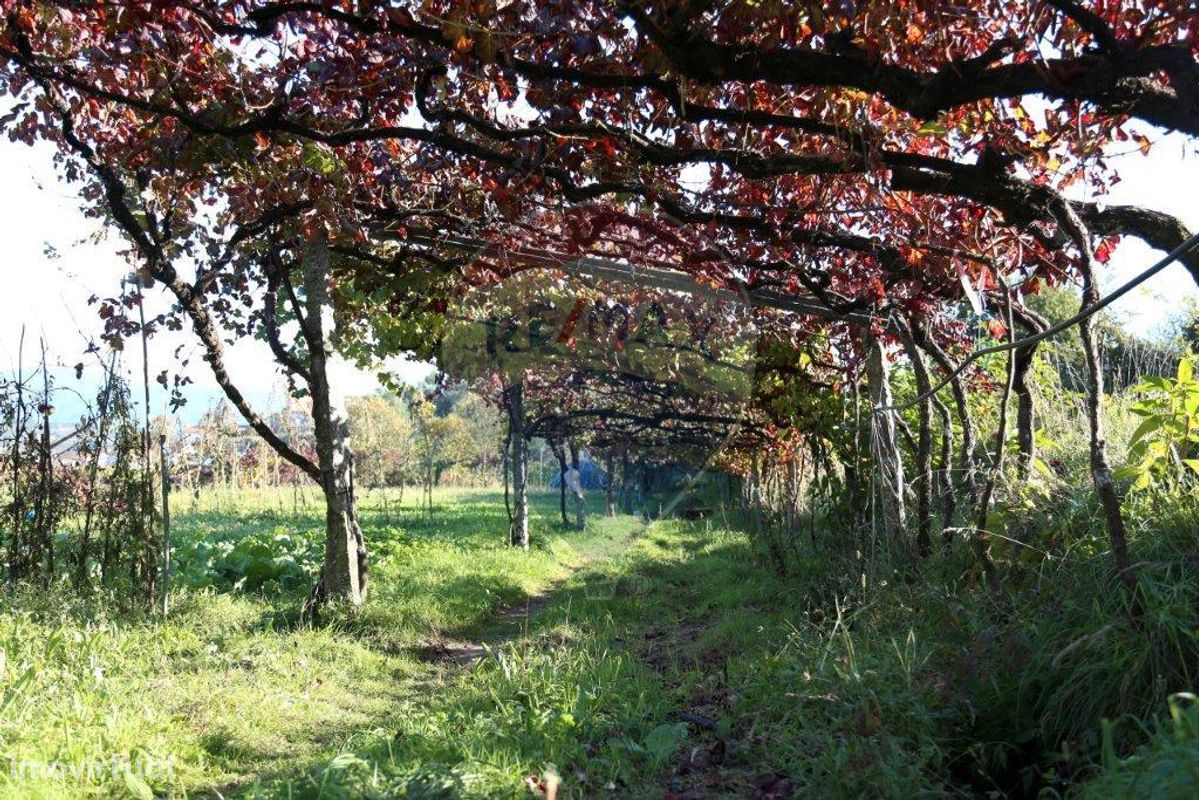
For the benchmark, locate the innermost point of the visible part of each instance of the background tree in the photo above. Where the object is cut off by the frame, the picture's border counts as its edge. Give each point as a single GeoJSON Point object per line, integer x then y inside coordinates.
{"type": "Point", "coordinates": [382, 433]}
{"type": "Point", "coordinates": [438, 443]}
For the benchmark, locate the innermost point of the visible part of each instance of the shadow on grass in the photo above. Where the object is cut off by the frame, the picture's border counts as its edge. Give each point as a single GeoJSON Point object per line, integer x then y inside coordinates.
{"type": "Point", "coordinates": [273, 760]}
{"type": "Point", "coordinates": [584, 677]}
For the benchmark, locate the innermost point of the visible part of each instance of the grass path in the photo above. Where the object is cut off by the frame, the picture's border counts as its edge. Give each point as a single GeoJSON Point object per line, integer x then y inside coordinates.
{"type": "Point", "coordinates": [617, 682]}
{"type": "Point", "coordinates": [434, 581]}
{"type": "Point", "coordinates": [677, 668]}
{"type": "Point", "coordinates": [506, 625]}
{"type": "Point", "coordinates": [660, 663]}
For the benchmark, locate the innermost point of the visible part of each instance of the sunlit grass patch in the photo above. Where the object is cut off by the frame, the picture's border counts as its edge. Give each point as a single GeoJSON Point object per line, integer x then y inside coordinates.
{"type": "Point", "coordinates": [230, 691]}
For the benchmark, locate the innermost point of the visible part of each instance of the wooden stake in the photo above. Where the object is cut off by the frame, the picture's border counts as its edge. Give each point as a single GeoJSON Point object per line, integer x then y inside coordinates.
{"type": "Point", "coordinates": [166, 522]}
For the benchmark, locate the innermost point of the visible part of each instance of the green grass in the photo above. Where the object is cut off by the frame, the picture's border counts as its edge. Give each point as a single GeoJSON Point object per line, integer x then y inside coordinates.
{"type": "Point", "coordinates": [101, 701]}
{"type": "Point", "coordinates": [626, 661]}
{"type": "Point", "coordinates": [680, 665]}
{"type": "Point", "coordinates": [1166, 766]}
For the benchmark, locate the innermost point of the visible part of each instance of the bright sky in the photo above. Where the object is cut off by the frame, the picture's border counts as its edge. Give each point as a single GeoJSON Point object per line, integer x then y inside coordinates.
{"type": "Point", "coordinates": [1165, 180]}
{"type": "Point", "coordinates": [49, 296]}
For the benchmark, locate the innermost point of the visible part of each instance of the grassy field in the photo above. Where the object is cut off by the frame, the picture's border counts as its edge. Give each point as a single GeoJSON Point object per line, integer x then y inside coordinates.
{"type": "Point", "coordinates": [231, 692]}
{"type": "Point", "coordinates": [666, 660]}
{"type": "Point", "coordinates": [663, 661]}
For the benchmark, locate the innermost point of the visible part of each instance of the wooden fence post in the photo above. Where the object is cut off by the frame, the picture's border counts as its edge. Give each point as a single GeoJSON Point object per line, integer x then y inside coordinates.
{"type": "Point", "coordinates": [166, 522]}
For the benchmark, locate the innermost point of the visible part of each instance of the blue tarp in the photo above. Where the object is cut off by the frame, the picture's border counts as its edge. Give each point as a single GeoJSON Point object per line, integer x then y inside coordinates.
{"type": "Point", "coordinates": [590, 475]}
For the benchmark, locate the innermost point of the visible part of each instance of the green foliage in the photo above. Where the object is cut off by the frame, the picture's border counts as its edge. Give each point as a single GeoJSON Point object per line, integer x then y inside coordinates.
{"type": "Point", "coordinates": [1163, 452]}
{"type": "Point", "coordinates": [381, 431]}
{"type": "Point", "coordinates": [1167, 767]}
{"type": "Point", "coordinates": [274, 560]}
{"type": "Point", "coordinates": [678, 661]}
{"type": "Point", "coordinates": [1126, 356]}
{"type": "Point", "coordinates": [410, 438]}
{"type": "Point", "coordinates": [1010, 692]}
{"type": "Point", "coordinates": [319, 158]}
